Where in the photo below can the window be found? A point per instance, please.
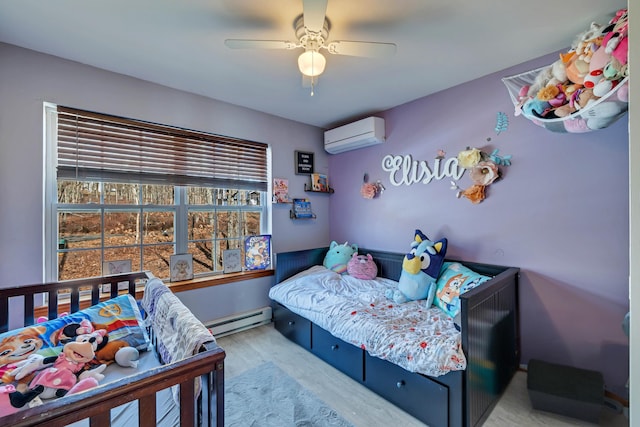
(123, 191)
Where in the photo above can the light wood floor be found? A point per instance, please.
(362, 407)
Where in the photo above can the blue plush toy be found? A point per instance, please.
(535, 107)
(338, 257)
(420, 270)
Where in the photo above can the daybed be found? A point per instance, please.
(489, 339)
(192, 386)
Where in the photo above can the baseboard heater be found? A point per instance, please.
(239, 322)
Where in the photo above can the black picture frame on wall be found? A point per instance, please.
(304, 163)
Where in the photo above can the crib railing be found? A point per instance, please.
(69, 296)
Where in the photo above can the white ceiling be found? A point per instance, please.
(180, 44)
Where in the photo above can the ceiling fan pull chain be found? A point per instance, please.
(312, 78)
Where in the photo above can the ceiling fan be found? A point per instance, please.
(312, 32)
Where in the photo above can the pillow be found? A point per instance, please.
(455, 279)
(362, 267)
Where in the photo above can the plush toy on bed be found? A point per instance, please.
(338, 257)
(420, 270)
(362, 267)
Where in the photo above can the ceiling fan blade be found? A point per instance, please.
(258, 44)
(314, 12)
(366, 49)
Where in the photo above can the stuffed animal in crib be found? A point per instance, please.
(420, 270)
(71, 331)
(338, 256)
(120, 352)
(58, 375)
(362, 267)
(106, 351)
(7, 393)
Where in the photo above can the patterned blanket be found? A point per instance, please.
(179, 334)
(415, 337)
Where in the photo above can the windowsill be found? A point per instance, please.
(220, 279)
(187, 285)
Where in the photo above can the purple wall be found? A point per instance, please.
(560, 213)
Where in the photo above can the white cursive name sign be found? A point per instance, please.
(405, 170)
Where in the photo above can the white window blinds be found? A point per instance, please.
(99, 147)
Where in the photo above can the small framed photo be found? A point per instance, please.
(231, 260)
(116, 267)
(304, 163)
(181, 267)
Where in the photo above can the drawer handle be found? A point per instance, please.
(291, 323)
(400, 384)
(334, 347)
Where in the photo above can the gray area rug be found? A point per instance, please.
(266, 396)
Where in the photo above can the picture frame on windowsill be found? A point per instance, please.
(231, 260)
(116, 267)
(181, 267)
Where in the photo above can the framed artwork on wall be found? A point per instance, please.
(304, 163)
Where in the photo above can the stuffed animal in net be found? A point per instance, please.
(338, 256)
(59, 375)
(362, 267)
(420, 270)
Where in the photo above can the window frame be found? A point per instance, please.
(180, 206)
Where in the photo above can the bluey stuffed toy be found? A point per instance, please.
(420, 270)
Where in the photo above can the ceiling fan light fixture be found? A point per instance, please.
(311, 63)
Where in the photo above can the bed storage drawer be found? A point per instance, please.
(343, 356)
(418, 395)
(294, 327)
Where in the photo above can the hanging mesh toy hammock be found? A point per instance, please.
(586, 89)
(597, 114)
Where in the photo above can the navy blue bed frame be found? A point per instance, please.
(490, 339)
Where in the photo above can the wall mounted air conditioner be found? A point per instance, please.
(363, 133)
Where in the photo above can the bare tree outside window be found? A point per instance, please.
(102, 222)
(121, 189)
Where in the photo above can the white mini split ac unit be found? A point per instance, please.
(363, 133)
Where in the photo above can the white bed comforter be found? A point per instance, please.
(417, 338)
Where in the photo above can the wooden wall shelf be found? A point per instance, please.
(309, 189)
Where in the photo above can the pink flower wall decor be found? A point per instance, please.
(483, 170)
